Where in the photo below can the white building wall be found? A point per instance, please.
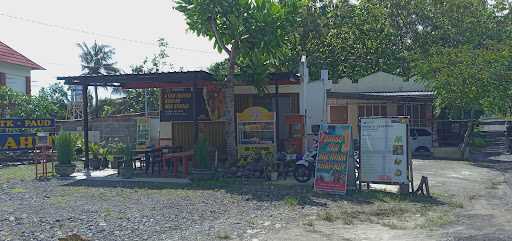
(377, 82)
(283, 89)
(315, 104)
(15, 76)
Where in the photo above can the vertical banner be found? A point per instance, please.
(384, 150)
(143, 132)
(334, 155)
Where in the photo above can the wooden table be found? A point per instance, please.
(184, 157)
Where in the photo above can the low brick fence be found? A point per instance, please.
(123, 128)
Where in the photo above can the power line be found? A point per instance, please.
(82, 31)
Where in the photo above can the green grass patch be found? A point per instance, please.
(18, 173)
(291, 201)
(18, 190)
(327, 216)
(223, 235)
(436, 220)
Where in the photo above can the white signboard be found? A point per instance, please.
(384, 150)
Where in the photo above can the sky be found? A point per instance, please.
(48, 31)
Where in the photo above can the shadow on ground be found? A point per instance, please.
(261, 191)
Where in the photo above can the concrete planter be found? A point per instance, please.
(202, 174)
(273, 176)
(64, 170)
(116, 162)
(127, 172)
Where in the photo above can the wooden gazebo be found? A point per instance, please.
(188, 79)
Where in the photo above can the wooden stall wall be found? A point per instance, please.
(183, 134)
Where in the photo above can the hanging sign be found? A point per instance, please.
(384, 150)
(17, 141)
(177, 105)
(26, 123)
(334, 155)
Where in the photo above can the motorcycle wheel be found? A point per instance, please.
(302, 173)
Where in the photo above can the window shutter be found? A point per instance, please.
(2, 79)
(27, 85)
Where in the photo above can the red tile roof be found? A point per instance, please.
(11, 56)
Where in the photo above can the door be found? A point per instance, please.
(284, 110)
(339, 114)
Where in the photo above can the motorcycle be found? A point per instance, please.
(305, 168)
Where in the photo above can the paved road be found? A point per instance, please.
(496, 155)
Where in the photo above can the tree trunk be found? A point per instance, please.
(229, 111)
(96, 110)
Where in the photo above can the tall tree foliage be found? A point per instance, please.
(159, 62)
(18, 105)
(133, 100)
(97, 59)
(468, 63)
(253, 33)
(58, 96)
(458, 48)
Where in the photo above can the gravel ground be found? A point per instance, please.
(252, 210)
(33, 210)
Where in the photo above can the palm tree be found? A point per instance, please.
(97, 59)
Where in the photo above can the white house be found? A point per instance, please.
(15, 69)
(378, 94)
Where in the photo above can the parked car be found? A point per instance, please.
(421, 141)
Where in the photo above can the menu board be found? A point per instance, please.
(256, 134)
(384, 150)
(177, 104)
(334, 155)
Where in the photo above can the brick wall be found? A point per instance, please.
(122, 128)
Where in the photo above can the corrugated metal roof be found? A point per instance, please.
(11, 56)
(406, 93)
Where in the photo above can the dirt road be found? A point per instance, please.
(478, 190)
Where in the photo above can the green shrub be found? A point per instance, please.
(201, 153)
(478, 142)
(65, 146)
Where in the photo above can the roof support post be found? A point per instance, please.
(278, 114)
(194, 112)
(85, 120)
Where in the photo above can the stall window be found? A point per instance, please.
(368, 110)
(416, 112)
(339, 114)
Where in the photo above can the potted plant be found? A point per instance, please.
(270, 167)
(95, 152)
(65, 146)
(127, 170)
(104, 156)
(117, 150)
(203, 168)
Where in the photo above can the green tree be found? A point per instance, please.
(17, 105)
(58, 96)
(97, 59)
(252, 33)
(468, 60)
(159, 62)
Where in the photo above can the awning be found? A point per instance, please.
(390, 96)
(165, 80)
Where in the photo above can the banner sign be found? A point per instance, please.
(177, 105)
(334, 155)
(17, 141)
(384, 150)
(26, 123)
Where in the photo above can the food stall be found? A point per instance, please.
(295, 141)
(256, 134)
